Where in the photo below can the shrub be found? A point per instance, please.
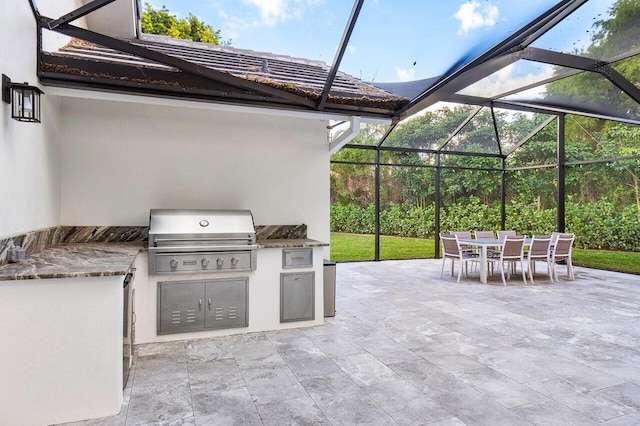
(597, 226)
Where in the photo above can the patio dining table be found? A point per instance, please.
(483, 244)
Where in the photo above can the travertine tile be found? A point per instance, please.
(292, 412)
(406, 347)
(221, 374)
(272, 383)
(344, 403)
(365, 369)
(591, 404)
(165, 401)
(225, 407)
(551, 413)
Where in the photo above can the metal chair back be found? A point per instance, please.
(503, 234)
(513, 247)
(449, 246)
(562, 247)
(462, 234)
(484, 234)
(539, 246)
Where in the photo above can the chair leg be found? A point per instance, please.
(549, 273)
(532, 265)
(460, 270)
(570, 269)
(444, 259)
(524, 276)
(504, 282)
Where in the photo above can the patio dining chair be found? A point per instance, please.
(539, 250)
(512, 251)
(464, 235)
(491, 251)
(562, 252)
(502, 234)
(484, 234)
(451, 250)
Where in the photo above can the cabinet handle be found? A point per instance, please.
(209, 304)
(297, 279)
(297, 258)
(200, 305)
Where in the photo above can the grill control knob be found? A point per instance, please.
(220, 262)
(234, 261)
(173, 263)
(205, 262)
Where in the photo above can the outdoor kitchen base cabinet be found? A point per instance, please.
(297, 296)
(186, 306)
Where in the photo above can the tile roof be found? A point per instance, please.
(97, 64)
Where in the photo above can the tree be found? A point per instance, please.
(162, 22)
(622, 140)
(618, 34)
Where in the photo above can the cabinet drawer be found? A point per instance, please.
(297, 296)
(297, 258)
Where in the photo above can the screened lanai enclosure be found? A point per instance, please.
(474, 115)
(535, 132)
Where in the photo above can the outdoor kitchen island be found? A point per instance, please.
(263, 306)
(212, 272)
(63, 311)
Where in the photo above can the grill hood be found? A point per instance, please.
(190, 241)
(171, 224)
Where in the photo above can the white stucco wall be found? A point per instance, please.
(61, 357)
(29, 153)
(121, 159)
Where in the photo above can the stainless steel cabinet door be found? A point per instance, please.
(297, 296)
(226, 303)
(181, 307)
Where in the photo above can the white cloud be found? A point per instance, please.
(475, 15)
(274, 11)
(404, 74)
(351, 48)
(507, 79)
(271, 11)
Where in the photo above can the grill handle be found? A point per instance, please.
(188, 240)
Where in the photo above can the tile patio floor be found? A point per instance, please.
(409, 348)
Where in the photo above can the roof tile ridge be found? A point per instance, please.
(161, 39)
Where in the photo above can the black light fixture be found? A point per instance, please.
(24, 100)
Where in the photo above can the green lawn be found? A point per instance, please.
(350, 247)
(354, 247)
(621, 261)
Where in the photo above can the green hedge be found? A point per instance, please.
(597, 226)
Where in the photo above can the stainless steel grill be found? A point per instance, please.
(195, 241)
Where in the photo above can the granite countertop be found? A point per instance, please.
(291, 243)
(74, 261)
(98, 259)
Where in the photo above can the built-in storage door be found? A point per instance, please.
(181, 306)
(297, 296)
(226, 303)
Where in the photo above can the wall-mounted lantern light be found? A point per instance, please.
(24, 100)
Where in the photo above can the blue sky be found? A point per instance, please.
(394, 40)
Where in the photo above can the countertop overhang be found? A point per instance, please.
(74, 260)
